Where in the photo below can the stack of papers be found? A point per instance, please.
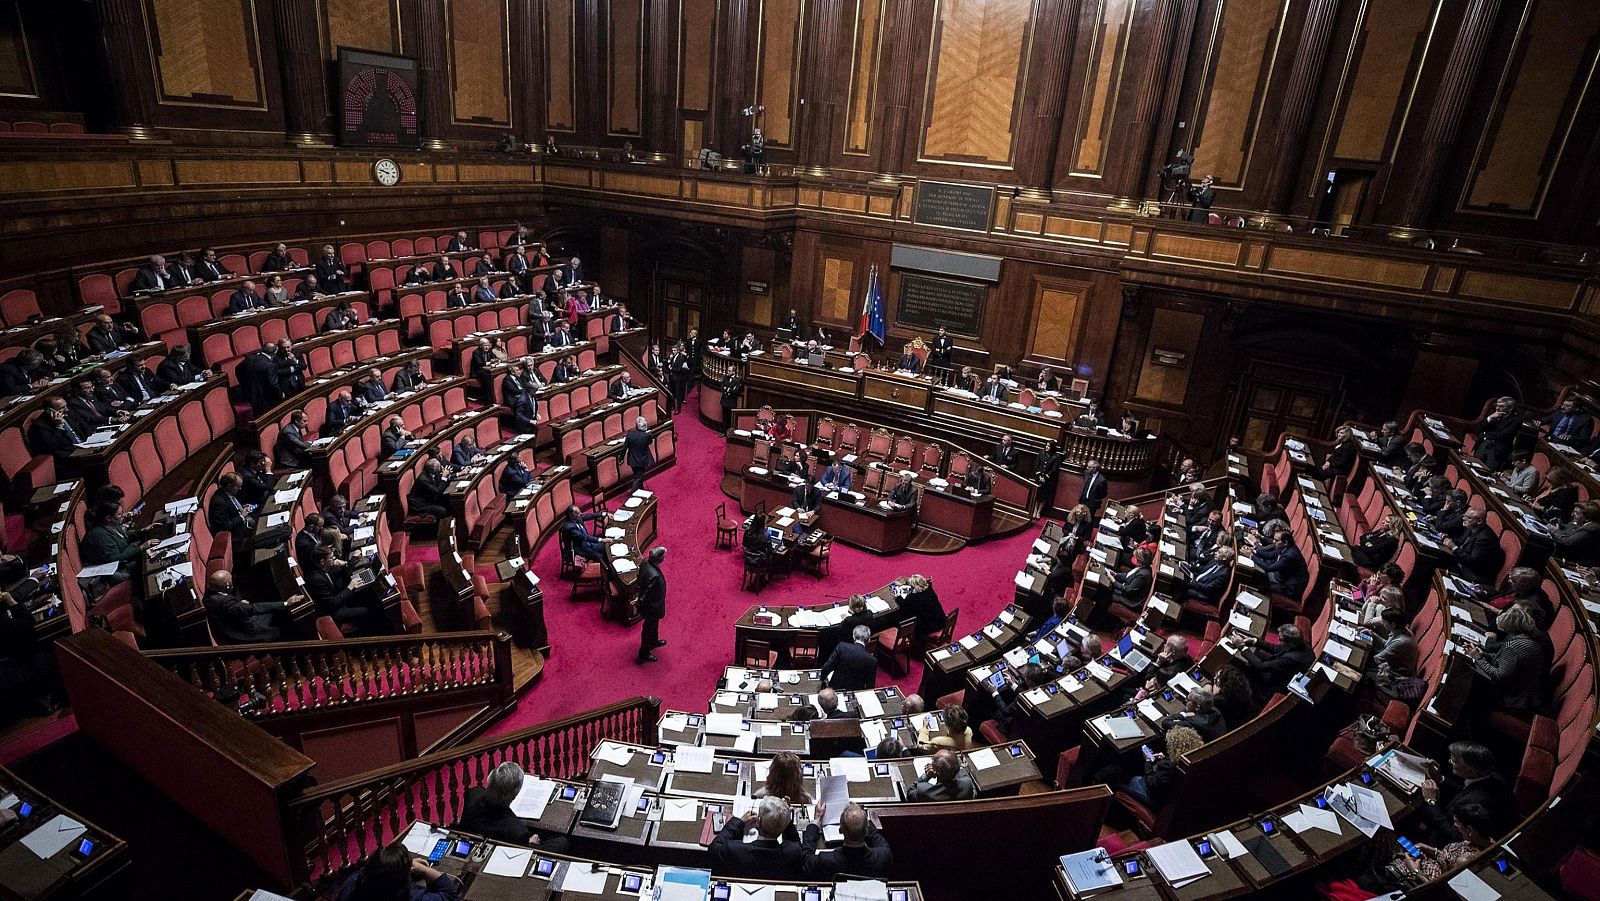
(693, 760)
(724, 724)
(532, 799)
(1178, 863)
(1090, 870)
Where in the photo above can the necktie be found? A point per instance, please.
(71, 433)
(1564, 424)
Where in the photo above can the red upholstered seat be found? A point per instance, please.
(1580, 875)
(992, 733)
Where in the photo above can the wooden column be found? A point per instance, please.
(900, 48)
(304, 73)
(1130, 168)
(1417, 179)
(822, 89)
(1057, 21)
(734, 78)
(122, 28)
(433, 70)
(659, 136)
(527, 69)
(1316, 33)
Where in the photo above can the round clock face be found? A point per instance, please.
(387, 172)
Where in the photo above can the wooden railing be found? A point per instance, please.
(332, 826)
(302, 676)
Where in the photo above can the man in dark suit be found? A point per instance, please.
(258, 479)
(51, 433)
(1005, 453)
(105, 336)
(1473, 779)
(730, 389)
(372, 389)
(460, 243)
(1094, 490)
(807, 496)
(1202, 197)
(309, 538)
(1496, 432)
(332, 273)
(1048, 381)
(329, 584)
(427, 494)
(310, 289)
(258, 380)
(1579, 542)
(939, 351)
(837, 476)
(235, 620)
(620, 321)
(993, 390)
(562, 336)
(443, 269)
(1570, 424)
(137, 383)
(1132, 588)
(566, 370)
(292, 450)
(679, 376)
(1271, 667)
(176, 368)
(340, 411)
(575, 533)
(278, 260)
(419, 274)
(1477, 554)
(516, 263)
(569, 274)
(407, 378)
(153, 276)
(765, 858)
(183, 270)
(110, 394)
(515, 476)
(210, 268)
(622, 388)
(226, 513)
(291, 368)
(487, 812)
(1199, 713)
(393, 437)
(652, 603)
(943, 779)
(904, 494)
(978, 480)
(851, 667)
(458, 297)
(909, 361)
(87, 413)
(637, 451)
(245, 298)
(22, 373)
(1203, 538)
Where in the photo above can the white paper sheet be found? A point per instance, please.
(581, 877)
(1471, 887)
(613, 753)
(421, 838)
(983, 759)
(1318, 818)
(532, 798)
(724, 724)
(507, 861)
(854, 769)
(59, 832)
(679, 810)
(1177, 862)
(693, 760)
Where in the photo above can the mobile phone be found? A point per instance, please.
(1203, 847)
(898, 894)
(809, 769)
(998, 679)
(439, 848)
(1148, 754)
(1410, 846)
(1321, 802)
(694, 720)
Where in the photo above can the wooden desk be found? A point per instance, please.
(74, 870)
(773, 624)
(957, 512)
(861, 524)
(95, 462)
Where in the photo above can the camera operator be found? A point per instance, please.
(1201, 197)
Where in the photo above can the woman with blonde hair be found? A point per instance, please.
(1080, 522)
(784, 780)
(1378, 546)
(954, 735)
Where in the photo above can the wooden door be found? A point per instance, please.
(678, 302)
(1272, 398)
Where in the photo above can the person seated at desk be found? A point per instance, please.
(484, 265)
(291, 450)
(1419, 467)
(154, 276)
(783, 428)
(1206, 582)
(1473, 779)
(23, 373)
(210, 268)
(1448, 520)
(1396, 660)
(340, 318)
(245, 299)
(466, 452)
(1270, 667)
(577, 536)
(565, 371)
(258, 479)
(1197, 507)
(1578, 542)
(309, 538)
(427, 494)
(1477, 554)
(372, 389)
(328, 583)
(1005, 453)
(904, 495)
(1512, 665)
(1341, 458)
(836, 477)
(1495, 433)
(1132, 588)
(1160, 771)
(1172, 659)
(923, 603)
(87, 412)
(52, 433)
(1559, 497)
(978, 480)
(1090, 418)
(486, 811)
(954, 734)
(226, 513)
(1521, 477)
(1199, 713)
(457, 297)
(828, 707)
(756, 545)
(1047, 381)
(483, 292)
(623, 388)
(339, 515)
(515, 477)
(1524, 585)
(395, 435)
(1378, 546)
(993, 391)
(308, 290)
(766, 857)
(967, 381)
(863, 851)
(110, 394)
(393, 874)
(1569, 424)
(277, 259)
(105, 337)
(1393, 870)
(562, 336)
(1129, 425)
(109, 540)
(442, 269)
(909, 362)
(943, 779)
(851, 667)
(1205, 537)
(620, 321)
(1283, 563)
(420, 274)
(235, 620)
(408, 378)
(784, 780)
(807, 496)
(341, 409)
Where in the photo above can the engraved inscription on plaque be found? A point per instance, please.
(928, 303)
(953, 206)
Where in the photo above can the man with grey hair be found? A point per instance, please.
(1199, 713)
(828, 704)
(637, 452)
(766, 857)
(486, 811)
(943, 779)
(851, 667)
(652, 603)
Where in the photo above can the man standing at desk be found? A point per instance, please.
(1005, 453)
(730, 398)
(636, 449)
(807, 496)
(652, 603)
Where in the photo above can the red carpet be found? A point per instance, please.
(593, 662)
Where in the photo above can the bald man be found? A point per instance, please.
(235, 620)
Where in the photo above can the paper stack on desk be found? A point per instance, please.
(724, 724)
(1177, 862)
(1089, 870)
(613, 753)
(533, 797)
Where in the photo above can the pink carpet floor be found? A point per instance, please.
(592, 662)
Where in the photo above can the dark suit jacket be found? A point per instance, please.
(15, 380)
(480, 816)
(403, 381)
(1478, 554)
(873, 859)
(373, 390)
(760, 859)
(149, 278)
(1132, 588)
(1004, 454)
(223, 516)
(305, 544)
(903, 494)
(636, 450)
(1209, 725)
(244, 299)
(102, 341)
(807, 497)
(291, 448)
(925, 606)
(173, 372)
(277, 262)
(1273, 665)
(211, 271)
(1579, 544)
(513, 479)
(1579, 429)
(134, 377)
(235, 620)
(617, 390)
(333, 275)
(652, 591)
(1493, 794)
(328, 593)
(256, 485)
(850, 667)
(45, 437)
(1343, 458)
(457, 299)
